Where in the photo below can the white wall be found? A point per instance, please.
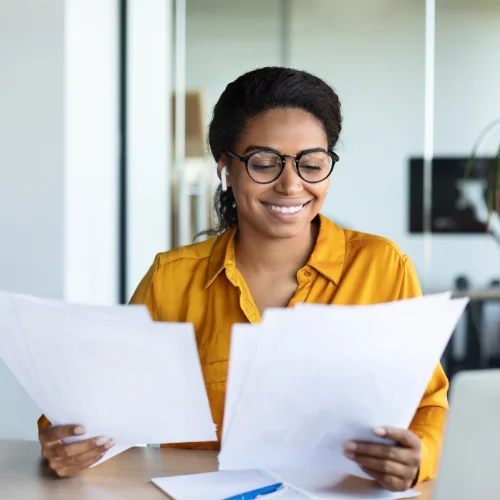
(225, 39)
(149, 132)
(91, 151)
(372, 53)
(31, 146)
(467, 99)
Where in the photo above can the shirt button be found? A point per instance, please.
(307, 273)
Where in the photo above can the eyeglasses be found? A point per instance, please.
(266, 165)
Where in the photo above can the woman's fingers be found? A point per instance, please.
(78, 461)
(397, 454)
(403, 437)
(81, 447)
(385, 467)
(69, 459)
(72, 470)
(66, 451)
(388, 481)
(394, 466)
(55, 433)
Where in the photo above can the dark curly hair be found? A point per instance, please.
(254, 93)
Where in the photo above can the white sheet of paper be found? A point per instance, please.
(11, 327)
(327, 485)
(16, 354)
(244, 339)
(14, 351)
(334, 375)
(137, 383)
(249, 352)
(133, 312)
(220, 485)
(274, 317)
(297, 485)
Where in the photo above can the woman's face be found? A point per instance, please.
(271, 208)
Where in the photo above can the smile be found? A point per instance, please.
(285, 210)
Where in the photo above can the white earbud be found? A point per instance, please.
(223, 179)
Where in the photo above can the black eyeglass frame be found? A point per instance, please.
(245, 159)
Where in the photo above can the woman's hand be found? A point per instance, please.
(394, 467)
(69, 459)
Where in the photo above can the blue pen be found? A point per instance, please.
(250, 495)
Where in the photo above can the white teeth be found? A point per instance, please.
(286, 210)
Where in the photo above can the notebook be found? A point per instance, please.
(223, 484)
(297, 485)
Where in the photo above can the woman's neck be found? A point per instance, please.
(276, 256)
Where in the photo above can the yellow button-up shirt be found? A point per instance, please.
(200, 284)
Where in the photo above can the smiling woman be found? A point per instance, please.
(286, 178)
(272, 135)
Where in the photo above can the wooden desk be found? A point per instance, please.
(126, 476)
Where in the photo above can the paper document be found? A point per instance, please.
(220, 485)
(226, 484)
(317, 376)
(324, 484)
(243, 343)
(131, 379)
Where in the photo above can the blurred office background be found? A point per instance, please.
(97, 174)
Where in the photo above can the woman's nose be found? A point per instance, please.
(289, 182)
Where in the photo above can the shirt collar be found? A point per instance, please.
(222, 255)
(327, 257)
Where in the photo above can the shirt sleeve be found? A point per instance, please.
(43, 423)
(428, 422)
(145, 292)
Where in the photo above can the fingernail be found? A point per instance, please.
(350, 455)
(379, 431)
(79, 430)
(109, 444)
(100, 441)
(350, 446)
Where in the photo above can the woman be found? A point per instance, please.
(272, 135)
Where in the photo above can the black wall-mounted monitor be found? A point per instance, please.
(446, 174)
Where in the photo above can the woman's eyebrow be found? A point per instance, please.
(267, 148)
(254, 148)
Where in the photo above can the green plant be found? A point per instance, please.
(494, 179)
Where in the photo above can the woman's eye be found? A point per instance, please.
(263, 167)
(310, 167)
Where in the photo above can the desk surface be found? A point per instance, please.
(126, 476)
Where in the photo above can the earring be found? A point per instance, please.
(223, 179)
(234, 204)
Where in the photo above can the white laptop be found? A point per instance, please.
(470, 460)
